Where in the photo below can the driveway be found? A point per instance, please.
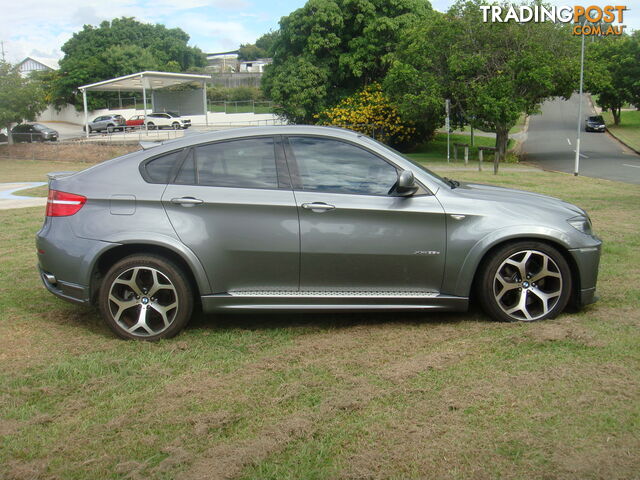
(551, 142)
(9, 200)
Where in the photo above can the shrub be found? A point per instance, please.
(370, 112)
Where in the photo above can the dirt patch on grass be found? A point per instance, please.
(9, 426)
(564, 331)
(228, 461)
(68, 152)
(26, 470)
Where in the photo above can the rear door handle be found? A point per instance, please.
(187, 201)
(318, 206)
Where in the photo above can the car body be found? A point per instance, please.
(3, 135)
(167, 120)
(594, 123)
(107, 123)
(33, 132)
(135, 121)
(303, 218)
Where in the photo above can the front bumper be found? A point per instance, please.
(587, 259)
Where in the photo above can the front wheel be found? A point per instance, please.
(525, 281)
(146, 297)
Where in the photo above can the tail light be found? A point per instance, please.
(63, 204)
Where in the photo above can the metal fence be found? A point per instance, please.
(244, 106)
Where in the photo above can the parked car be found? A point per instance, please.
(33, 132)
(303, 218)
(595, 123)
(167, 120)
(136, 121)
(107, 123)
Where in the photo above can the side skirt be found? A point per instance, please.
(333, 301)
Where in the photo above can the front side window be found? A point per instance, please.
(328, 165)
(248, 163)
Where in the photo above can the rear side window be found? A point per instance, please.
(159, 168)
(327, 165)
(249, 163)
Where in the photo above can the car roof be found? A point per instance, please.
(244, 132)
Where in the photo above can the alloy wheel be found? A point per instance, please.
(527, 285)
(143, 301)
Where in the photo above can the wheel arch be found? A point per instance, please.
(478, 256)
(191, 266)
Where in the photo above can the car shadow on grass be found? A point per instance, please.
(329, 320)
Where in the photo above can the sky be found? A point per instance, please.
(37, 28)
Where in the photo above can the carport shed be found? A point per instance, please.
(141, 82)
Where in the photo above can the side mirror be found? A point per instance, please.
(405, 186)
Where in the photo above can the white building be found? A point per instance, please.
(36, 64)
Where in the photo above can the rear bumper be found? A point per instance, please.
(67, 291)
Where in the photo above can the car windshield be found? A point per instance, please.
(596, 118)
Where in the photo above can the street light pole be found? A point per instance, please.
(447, 126)
(577, 160)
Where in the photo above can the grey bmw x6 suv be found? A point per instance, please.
(303, 218)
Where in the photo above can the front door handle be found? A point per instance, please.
(187, 201)
(318, 207)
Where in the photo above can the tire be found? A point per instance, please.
(175, 126)
(524, 281)
(151, 126)
(149, 284)
(110, 128)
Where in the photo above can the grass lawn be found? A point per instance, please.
(333, 395)
(14, 170)
(629, 129)
(436, 149)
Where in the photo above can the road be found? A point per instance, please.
(551, 140)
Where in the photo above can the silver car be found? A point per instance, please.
(303, 218)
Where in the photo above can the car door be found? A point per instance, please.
(232, 204)
(354, 236)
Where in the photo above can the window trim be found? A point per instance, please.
(292, 162)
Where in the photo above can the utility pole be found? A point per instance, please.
(2, 45)
(577, 159)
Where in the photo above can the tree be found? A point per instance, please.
(329, 49)
(612, 72)
(20, 98)
(120, 47)
(492, 72)
(250, 51)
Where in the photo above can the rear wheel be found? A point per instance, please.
(151, 126)
(525, 281)
(146, 297)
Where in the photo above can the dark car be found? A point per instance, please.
(3, 135)
(107, 123)
(595, 123)
(300, 218)
(33, 132)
